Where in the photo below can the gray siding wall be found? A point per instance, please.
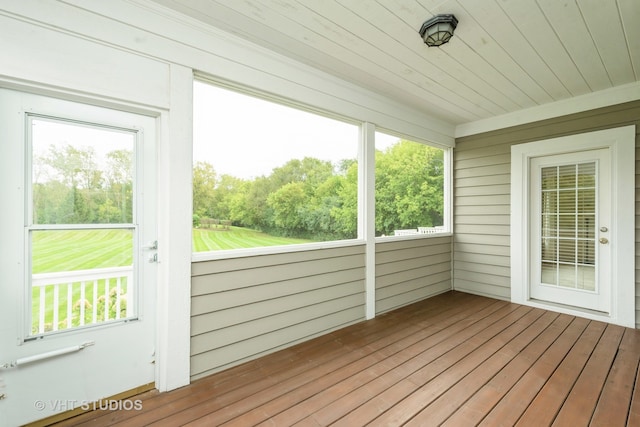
(411, 270)
(482, 195)
(245, 307)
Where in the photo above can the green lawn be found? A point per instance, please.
(67, 250)
(213, 239)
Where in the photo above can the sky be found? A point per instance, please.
(58, 134)
(247, 137)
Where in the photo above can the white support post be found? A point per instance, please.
(175, 165)
(448, 189)
(367, 207)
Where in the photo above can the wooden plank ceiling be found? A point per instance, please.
(505, 56)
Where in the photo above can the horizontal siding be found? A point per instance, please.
(482, 179)
(411, 270)
(482, 220)
(243, 308)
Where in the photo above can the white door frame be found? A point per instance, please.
(621, 143)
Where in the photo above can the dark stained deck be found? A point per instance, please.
(454, 360)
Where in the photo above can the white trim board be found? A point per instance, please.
(620, 141)
(604, 98)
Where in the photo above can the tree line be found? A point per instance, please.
(70, 186)
(315, 199)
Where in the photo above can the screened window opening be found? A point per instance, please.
(265, 174)
(409, 188)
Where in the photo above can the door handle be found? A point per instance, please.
(604, 240)
(151, 246)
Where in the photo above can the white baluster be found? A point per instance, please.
(118, 289)
(56, 306)
(106, 299)
(95, 301)
(41, 314)
(129, 293)
(82, 299)
(69, 304)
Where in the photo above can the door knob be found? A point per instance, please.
(604, 240)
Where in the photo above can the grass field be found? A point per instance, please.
(207, 239)
(67, 250)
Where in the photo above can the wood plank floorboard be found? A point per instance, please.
(454, 360)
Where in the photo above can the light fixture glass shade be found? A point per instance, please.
(438, 30)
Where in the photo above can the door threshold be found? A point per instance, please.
(570, 307)
(63, 416)
(573, 311)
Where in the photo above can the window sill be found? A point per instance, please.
(272, 250)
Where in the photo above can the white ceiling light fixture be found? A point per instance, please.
(438, 30)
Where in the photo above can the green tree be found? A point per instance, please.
(249, 206)
(314, 199)
(287, 204)
(227, 187)
(75, 165)
(204, 184)
(409, 187)
(71, 186)
(118, 206)
(345, 214)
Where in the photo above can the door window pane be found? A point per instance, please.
(81, 231)
(549, 225)
(80, 277)
(568, 212)
(549, 273)
(567, 226)
(81, 174)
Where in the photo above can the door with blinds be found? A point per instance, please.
(570, 217)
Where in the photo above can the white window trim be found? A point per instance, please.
(621, 142)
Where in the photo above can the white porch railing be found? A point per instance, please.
(109, 289)
(419, 230)
(430, 230)
(406, 232)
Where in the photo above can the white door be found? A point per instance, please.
(570, 221)
(572, 224)
(77, 270)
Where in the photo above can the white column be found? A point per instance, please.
(367, 210)
(175, 160)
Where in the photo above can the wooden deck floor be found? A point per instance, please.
(454, 360)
